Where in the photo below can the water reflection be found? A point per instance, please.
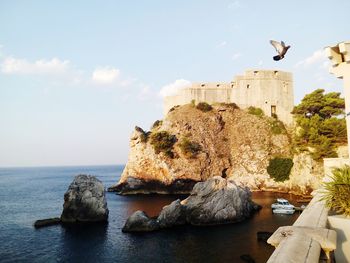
(151, 204)
(83, 242)
(223, 243)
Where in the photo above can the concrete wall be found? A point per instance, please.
(259, 88)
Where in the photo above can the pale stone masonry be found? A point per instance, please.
(340, 60)
(270, 90)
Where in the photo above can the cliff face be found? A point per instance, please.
(224, 141)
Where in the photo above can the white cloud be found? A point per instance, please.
(172, 88)
(106, 75)
(236, 56)
(221, 44)
(55, 66)
(57, 72)
(318, 57)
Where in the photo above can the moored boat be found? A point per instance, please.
(282, 206)
(283, 211)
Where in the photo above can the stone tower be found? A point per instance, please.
(270, 90)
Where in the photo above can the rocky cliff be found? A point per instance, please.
(192, 145)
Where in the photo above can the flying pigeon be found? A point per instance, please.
(281, 49)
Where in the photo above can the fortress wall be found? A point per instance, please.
(208, 92)
(270, 90)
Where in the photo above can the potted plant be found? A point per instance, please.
(336, 195)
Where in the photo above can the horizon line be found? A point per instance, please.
(53, 166)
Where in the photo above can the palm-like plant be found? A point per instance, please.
(337, 191)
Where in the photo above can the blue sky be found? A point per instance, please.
(77, 76)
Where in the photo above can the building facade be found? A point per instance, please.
(270, 90)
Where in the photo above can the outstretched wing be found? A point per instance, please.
(277, 46)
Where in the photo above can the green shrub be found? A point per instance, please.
(279, 168)
(189, 148)
(337, 191)
(203, 106)
(255, 111)
(277, 127)
(193, 103)
(163, 142)
(156, 124)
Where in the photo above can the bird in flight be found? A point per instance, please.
(281, 49)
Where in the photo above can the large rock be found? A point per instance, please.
(216, 201)
(85, 201)
(172, 215)
(140, 222)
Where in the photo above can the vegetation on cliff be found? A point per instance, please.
(189, 148)
(279, 168)
(255, 111)
(320, 124)
(203, 106)
(163, 141)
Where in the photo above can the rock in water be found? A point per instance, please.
(85, 201)
(47, 222)
(218, 201)
(215, 201)
(172, 215)
(140, 222)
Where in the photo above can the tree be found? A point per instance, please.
(320, 124)
(324, 105)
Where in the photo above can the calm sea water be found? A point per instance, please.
(28, 194)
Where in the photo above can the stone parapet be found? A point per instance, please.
(303, 241)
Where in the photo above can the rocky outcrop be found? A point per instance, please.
(47, 222)
(215, 201)
(305, 176)
(85, 201)
(140, 222)
(233, 144)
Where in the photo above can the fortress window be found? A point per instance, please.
(202, 85)
(248, 86)
(273, 111)
(275, 72)
(217, 85)
(256, 73)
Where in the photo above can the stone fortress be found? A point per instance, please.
(270, 90)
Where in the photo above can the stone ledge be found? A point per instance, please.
(325, 237)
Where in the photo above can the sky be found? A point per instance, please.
(77, 76)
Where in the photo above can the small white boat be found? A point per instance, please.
(283, 207)
(283, 211)
(282, 204)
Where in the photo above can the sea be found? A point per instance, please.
(29, 194)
